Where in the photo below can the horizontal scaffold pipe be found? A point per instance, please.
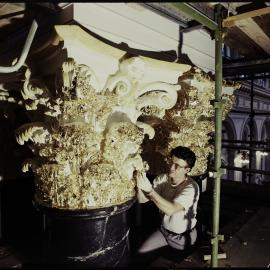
(248, 112)
(247, 78)
(247, 142)
(246, 147)
(231, 168)
(195, 14)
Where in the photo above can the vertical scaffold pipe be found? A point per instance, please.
(218, 134)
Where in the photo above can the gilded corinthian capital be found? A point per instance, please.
(90, 125)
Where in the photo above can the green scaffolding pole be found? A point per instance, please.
(217, 27)
(218, 135)
(195, 14)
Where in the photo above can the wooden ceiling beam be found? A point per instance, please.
(231, 21)
(253, 31)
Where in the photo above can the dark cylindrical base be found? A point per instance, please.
(87, 238)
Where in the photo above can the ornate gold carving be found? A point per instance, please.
(190, 122)
(88, 133)
(88, 141)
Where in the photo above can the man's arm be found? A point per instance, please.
(169, 208)
(141, 197)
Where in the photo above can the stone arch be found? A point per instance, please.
(245, 136)
(265, 160)
(246, 130)
(228, 124)
(265, 136)
(228, 132)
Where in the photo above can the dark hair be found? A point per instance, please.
(184, 153)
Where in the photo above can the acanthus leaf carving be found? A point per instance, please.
(89, 139)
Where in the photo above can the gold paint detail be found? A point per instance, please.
(86, 141)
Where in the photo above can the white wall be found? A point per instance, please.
(143, 29)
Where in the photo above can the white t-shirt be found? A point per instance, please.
(186, 194)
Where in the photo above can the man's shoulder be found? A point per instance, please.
(192, 183)
(160, 179)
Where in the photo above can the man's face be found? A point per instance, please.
(178, 168)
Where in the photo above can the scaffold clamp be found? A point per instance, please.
(219, 237)
(218, 173)
(218, 104)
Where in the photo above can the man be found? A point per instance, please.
(176, 195)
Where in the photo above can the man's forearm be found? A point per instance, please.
(164, 205)
(141, 197)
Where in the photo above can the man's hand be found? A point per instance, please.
(143, 183)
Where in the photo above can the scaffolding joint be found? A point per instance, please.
(217, 173)
(218, 104)
(218, 237)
